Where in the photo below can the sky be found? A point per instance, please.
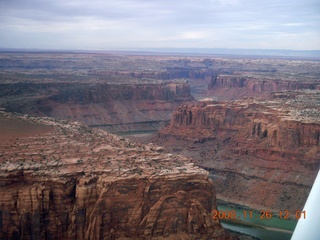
(138, 24)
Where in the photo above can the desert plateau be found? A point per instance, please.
(135, 145)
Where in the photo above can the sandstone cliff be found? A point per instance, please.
(260, 153)
(259, 84)
(169, 73)
(117, 107)
(230, 87)
(65, 181)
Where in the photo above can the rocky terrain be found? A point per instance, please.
(114, 92)
(115, 107)
(70, 181)
(61, 180)
(232, 87)
(56, 75)
(263, 154)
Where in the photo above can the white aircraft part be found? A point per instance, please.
(309, 228)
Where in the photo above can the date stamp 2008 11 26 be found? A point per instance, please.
(263, 214)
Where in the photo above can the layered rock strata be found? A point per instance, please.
(262, 84)
(60, 180)
(263, 154)
(232, 87)
(115, 107)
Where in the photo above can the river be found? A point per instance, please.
(274, 228)
(263, 229)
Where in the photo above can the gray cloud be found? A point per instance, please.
(98, 24)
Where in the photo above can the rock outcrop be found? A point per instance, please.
(231, 87)
(169, 73)
(60, 180)
(116, 107)
(259, 85)
(263, 154)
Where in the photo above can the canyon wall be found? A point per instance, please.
(264, 154)
(116, 107)
(263, 124)
(62, 180)
(79, 207)
(169, 73)
(254, 86)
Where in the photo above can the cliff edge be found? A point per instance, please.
(60, 180)
(263, 154)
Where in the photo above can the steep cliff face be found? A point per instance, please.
(79, 207)
(261, 154)
(262, 84)
(169, 73)
(118, 107)
(265, 124)
(66, 181)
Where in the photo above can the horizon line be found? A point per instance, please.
(185, 51)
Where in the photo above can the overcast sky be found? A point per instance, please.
(116, 24)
